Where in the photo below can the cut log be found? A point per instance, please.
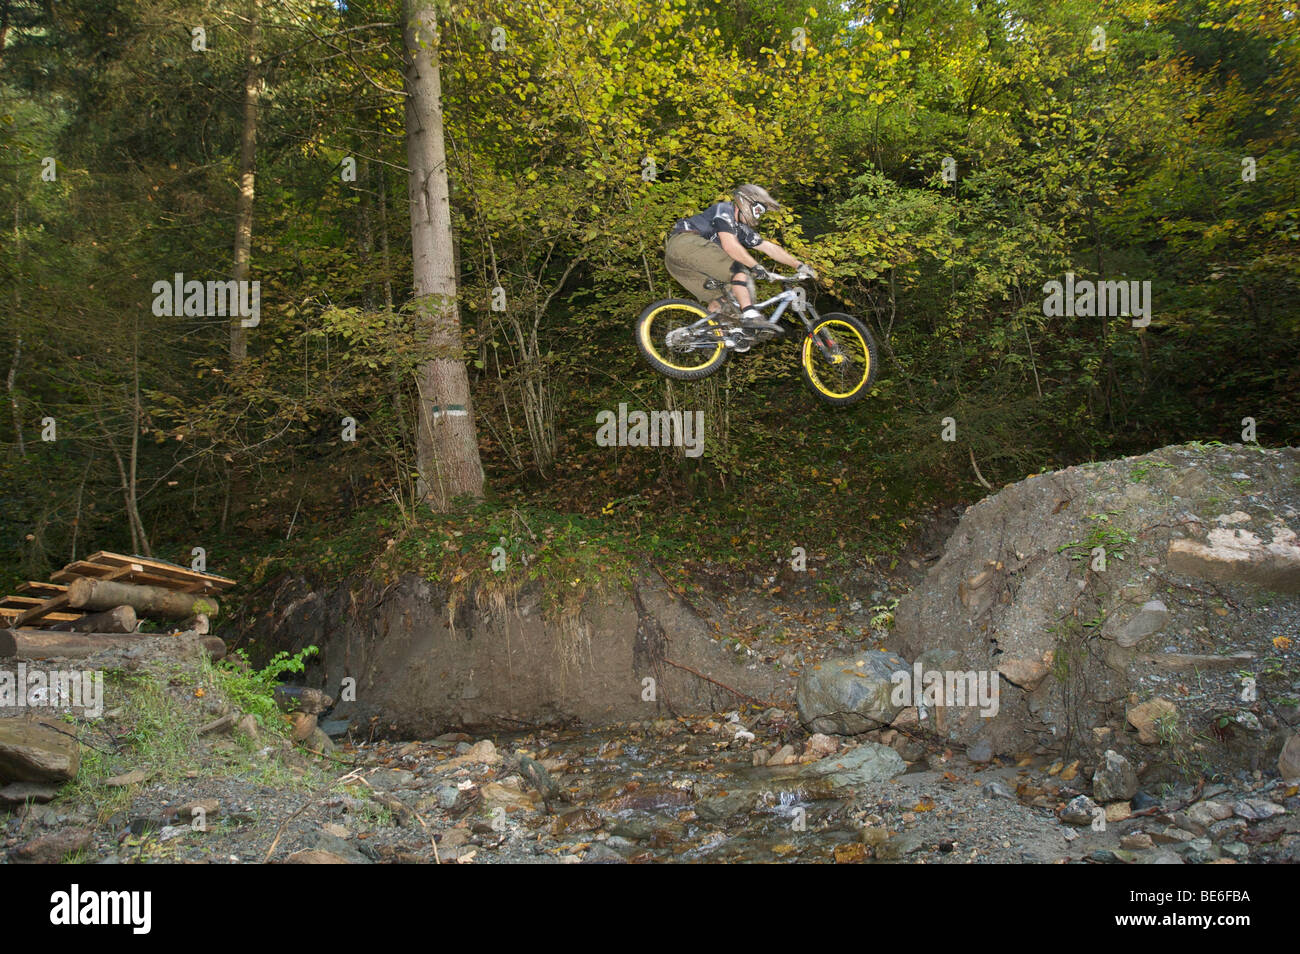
(120, 619)
(198, 624)
(43, 644)
(89, 594)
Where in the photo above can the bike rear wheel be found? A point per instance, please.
(847, 375)
(668, 347)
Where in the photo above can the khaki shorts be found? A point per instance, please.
(690, 258)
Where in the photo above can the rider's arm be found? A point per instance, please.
(731, 245)
(774, 251)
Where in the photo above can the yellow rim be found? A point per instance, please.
(645, 337)
(838, 329)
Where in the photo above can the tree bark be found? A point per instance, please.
(446, 440)
(119, 619)
(247, 178)
(41, 644)
(91, 594)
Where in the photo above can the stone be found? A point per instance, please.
(820, 746)
(334, 728)
(1114, 779)
(1079, 811)
(1118, 811)
(53, 848)
(1148, 717)
(1256, 809)
(33, 753)
(1207, 813)
(302, 725)
(1136, 841)
(17, 793)
(1150, 619)
(868, 764)
(849, 695)
(981, 752)
(783, 756)
(1239, 556)
(1026, 673)
(1288, 761)
(314, 857)
(133, 777)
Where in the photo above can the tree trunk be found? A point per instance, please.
(119, 619)
(247, 179)
(446, 440)
(90, 594)
(39, 644)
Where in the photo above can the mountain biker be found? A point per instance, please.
(716, 244)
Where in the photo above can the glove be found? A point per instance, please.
(805, 271)
(760, 273)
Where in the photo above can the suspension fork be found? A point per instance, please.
(831, 352)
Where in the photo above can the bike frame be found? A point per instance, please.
(792, 298)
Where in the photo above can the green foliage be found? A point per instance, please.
(253, 690)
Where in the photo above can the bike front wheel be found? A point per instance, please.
(669, 345)
(838, 360)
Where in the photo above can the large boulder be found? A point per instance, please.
(850, 694)
(30, 752)
(1093, 588)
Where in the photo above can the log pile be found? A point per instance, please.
(102, 601)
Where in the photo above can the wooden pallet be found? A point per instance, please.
(48, 601)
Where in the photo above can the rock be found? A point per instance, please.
(1079, 811)
(854, 853)
(205, 808)
(1148, 717)
(334, 728)
(1027, 673)
(1256, 809)
(1114, 779)
(302, 725)
(1142, 801)
(1118, 811)
(30, 752)
(1288, 761)
(302, 699)
(1136, 841)
(498, 795)
(1207, 813)
(1228, 828)
(323, 841)
(1000, 790)
(820, 746)
(849, 695)
(1239, 556)
(480, 753)
(335, 829)
(1171, 835)
(868, 764)
(1235, 850)
(17, 793)
(577, 820)
(540, 779)
(319, 742)
(448, 795)
(133, 777)
(313, 857)
(53, 848)
(1199, 851)
(900, 845)
(783, 756)
(1150, 619)
(601, 854)
(981, 752)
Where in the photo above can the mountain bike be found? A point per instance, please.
(681, 339)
